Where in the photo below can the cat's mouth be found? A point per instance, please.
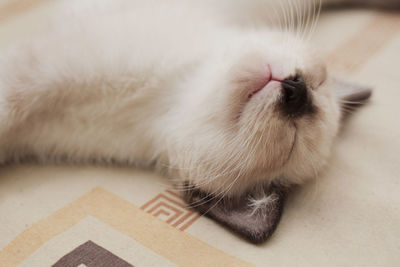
(253, 216)
(264, 85)
(262, 88)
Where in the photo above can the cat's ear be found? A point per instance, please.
(350, 96)
(253, 216)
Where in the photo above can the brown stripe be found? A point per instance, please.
(368, 41)
(145, 205)
(189, 223)
(176, 215)
(173, 218)
(165, 205)
(16, 7)
(182, 219)
(175, 202)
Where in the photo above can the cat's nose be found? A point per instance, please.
(295, 95)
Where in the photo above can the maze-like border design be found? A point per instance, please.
(169, 207)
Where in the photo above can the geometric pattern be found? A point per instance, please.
(181, 248)
(169, 207)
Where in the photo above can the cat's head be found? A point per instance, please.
(261, 110)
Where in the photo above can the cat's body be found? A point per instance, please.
(181, 85)
(127, 82)
(94, 78)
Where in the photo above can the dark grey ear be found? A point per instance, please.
(254, 216)
(351, 95)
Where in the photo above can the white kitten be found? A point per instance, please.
(181, 85)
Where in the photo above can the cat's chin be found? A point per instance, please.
(253, 215)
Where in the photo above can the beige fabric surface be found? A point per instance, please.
(348, 217)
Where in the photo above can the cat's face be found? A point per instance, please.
(258, 111)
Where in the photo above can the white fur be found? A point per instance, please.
(162, 83)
